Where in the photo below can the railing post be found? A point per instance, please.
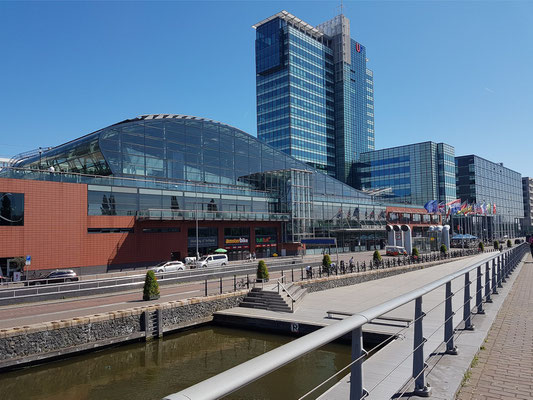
(487, 284)
(494, 283)
(356, 378)
(292, 274)
(421, 389)
(234, 283)
(220, 285)
(500, 280)
(206, 288)
(479, 291)
(448, 321)
(466, 304)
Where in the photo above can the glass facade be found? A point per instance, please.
(415, 173)
(315, 97)
(483, 181)
(11, 209)
(527, 190)
(182, 168)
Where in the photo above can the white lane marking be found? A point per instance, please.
(90, 308)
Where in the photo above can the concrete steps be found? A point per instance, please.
(269, 298)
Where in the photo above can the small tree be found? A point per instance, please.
(415, 253)
(496, 245)
(509, 243)
(443, 249)
(481, 246)
(376, 257)
(151, 287)
(262, 270)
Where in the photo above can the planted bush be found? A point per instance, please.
(415, 253)
(509, 243)
(262, 270)
(151, 287)
(481, 246)
(496, 245)
(326, 261)
(443, 249)
(376, 257)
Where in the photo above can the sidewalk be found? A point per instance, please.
(502, 368)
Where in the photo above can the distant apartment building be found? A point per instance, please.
(527, 190)
(315, 94)
(414, 174)
(480, 181)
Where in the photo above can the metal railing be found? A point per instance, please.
(280, 284)
(502, 266)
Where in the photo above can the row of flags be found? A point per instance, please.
(455, 207)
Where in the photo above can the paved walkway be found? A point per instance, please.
(505, 363)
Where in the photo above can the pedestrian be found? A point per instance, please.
(309, 272)
(253, 256)
(351, 262)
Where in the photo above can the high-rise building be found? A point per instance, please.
(415, 173)
(527, 190)
(315, 95)
(482, 181)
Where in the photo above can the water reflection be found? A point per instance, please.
(154, 369)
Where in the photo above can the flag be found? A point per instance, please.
(456, 201)
(431, 206)
(372, 214)
(483, 208)
(494, 209)
(348, 214)
(441, 208)
(339, 213)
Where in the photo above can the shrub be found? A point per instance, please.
(517, 241)
(443, 249)
(326, 261)
(481, 246)
(496, 245)
(376, 257)
(415, 252)
(151, 287)
(509, 243)
(262, 270)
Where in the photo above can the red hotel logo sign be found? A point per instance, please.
(358, 47)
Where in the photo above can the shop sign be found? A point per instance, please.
(265, 240)
(210, 241)
(237, 241)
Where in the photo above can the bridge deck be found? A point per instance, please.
(395, 356)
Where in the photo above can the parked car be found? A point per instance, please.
(395, 251)
(169, 266)
(57, 276)
(212, 260)
(189, 260)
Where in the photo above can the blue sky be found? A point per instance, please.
(458, 72)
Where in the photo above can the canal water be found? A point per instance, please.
(152, 370)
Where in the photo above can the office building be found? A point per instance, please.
(131, 194)
(411, 174)
(527, 191)
(315, 94)
(480, 181)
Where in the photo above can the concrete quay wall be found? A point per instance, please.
(34, 343)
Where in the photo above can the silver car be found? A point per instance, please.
(169, 266)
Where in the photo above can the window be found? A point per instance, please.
(11, 209)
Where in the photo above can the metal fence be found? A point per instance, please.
(490, 274)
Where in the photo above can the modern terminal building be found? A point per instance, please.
(481, 181)
(162, 187)
(413, 174)
(315, 94)
(527, 190)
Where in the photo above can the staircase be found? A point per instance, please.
(268, 298)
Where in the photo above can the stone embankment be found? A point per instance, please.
(29, 344)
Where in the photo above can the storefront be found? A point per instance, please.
(237, 243)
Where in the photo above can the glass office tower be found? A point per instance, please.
(415, 173)
(483, 181)
(315, 96)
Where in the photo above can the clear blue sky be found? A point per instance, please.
(458, 72)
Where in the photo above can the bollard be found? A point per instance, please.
(292, 274)
(421, 389)
(448, 321)
(466, 306)
(494, 284)
(357, 391)
(220, 285)
(487, 284)
(234, 283)
(479, 289)
(247, 282)
(206, 288)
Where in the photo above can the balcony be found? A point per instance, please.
(202, 215)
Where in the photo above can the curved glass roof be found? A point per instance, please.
(184, 148)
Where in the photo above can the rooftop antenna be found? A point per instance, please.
(341, 8)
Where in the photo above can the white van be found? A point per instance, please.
(212, 260)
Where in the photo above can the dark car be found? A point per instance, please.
(57, 276)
